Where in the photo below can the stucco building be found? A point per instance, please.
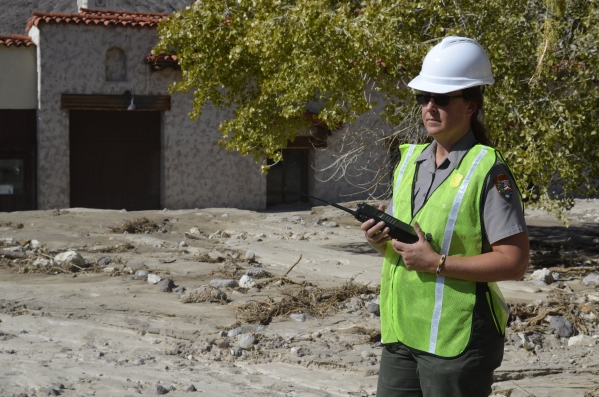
(87, 121)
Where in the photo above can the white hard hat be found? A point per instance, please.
(453, 64)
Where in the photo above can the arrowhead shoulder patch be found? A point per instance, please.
(503, 184)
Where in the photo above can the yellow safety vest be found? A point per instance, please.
(425, 312)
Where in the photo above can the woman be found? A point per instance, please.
(442, 316)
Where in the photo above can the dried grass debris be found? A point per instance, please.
(136, 226)
(530, 317)
(119, 248)
(12, 225)
(313, 301)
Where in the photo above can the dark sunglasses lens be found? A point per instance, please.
(423, 99)
(440, 100)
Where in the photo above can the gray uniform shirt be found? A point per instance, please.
(502, 217)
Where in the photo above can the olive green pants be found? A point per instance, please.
(406, 372)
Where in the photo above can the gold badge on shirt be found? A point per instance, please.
(504, 186)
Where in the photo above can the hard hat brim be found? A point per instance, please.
(443, 86)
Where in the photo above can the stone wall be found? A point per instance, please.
(196, 172)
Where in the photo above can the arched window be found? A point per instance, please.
(116, 69)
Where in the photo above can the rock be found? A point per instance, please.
(225, 235)
(374, 308)
(157, 390)
(223, 283)
(561, 325)
(205, 293)
(216, 255)
(237, 352)
(543, 275)
(296, 219)
(246, 282)
(332, 224)
(166, 285)
(247, 341)
(195, 231)
(250, 255)
(104, 261)
(245, 329)
(367, 354)
(109, 269)
(191, 388)
(301, 317)
(581, 340)
(223, 344)
(179, 288)
(192, 236)
(527, 343)
(555, 275)
(593, 298)
(141, 274)
(592, 280)
(34, 244)
(69, 259)
(539, 283)
(256, 272)
(43, 262)
(183, 244)
(154, 278)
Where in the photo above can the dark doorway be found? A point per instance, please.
(18, 154)
(115, 159)
(291, 172)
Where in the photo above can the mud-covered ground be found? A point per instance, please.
(304, 323)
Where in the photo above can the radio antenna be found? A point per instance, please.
(324, 201)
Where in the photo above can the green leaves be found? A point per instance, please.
(270, 60)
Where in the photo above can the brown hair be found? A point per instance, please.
(475, 94)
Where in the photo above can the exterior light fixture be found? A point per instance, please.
(132, 105)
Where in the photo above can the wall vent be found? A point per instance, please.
(96, 4)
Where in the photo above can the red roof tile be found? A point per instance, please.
(163, 61)
(16, 40)
(99, 17)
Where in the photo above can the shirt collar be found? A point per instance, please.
(457, 152)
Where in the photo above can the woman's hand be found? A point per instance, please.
(376, 233)
(419, 256)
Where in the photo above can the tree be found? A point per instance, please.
(270, 59)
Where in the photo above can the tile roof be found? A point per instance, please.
(16, 40)
(88, 16)
(163, 61)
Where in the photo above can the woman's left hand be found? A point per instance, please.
(419, 256)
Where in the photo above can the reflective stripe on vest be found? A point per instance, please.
(402, 168)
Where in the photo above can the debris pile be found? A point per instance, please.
(308, 300)
(139, 226)
(12, 225)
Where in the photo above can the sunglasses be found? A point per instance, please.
(440, 100)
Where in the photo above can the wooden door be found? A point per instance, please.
(292, 172)
(115, 159)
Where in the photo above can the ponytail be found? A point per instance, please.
(481, 133)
